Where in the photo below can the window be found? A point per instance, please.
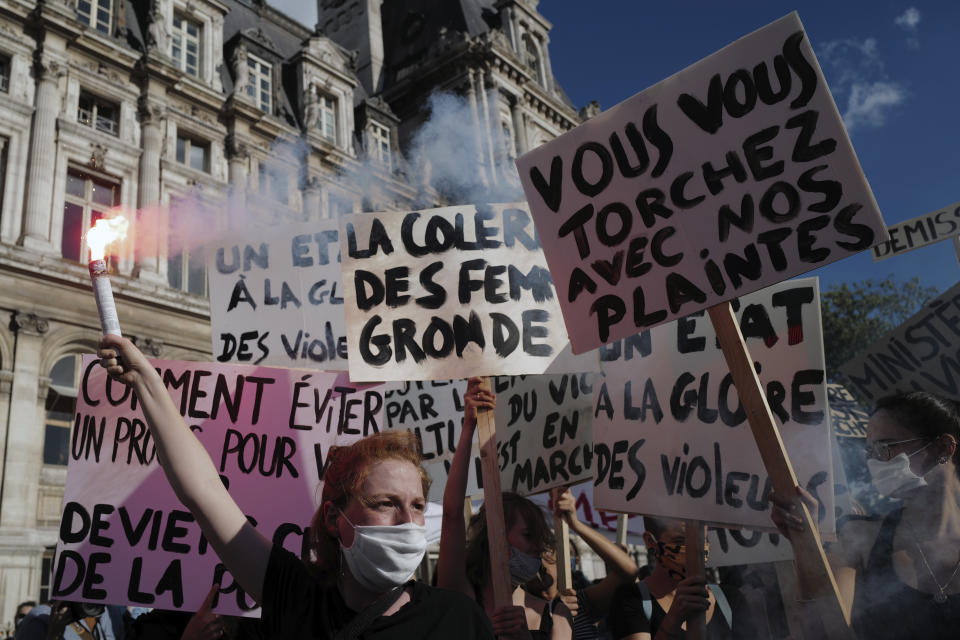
(4, 73)
(98, 113)
(96, 13)
(185, 45)
(87, 197)
(380, 143)
(186, 267)
(327, 118)
(533, 57)
(260, 86)
(46, 573)
(273, 184)
(61, 401)
(193, 153)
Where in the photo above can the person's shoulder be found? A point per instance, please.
(441, 596)
(857, 535)
(627, 591)
(34, 624)
(448, 604)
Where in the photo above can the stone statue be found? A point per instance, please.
(311, 109)
(157, 31)
(240, 72)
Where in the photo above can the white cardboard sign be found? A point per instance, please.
(729, 176)
(277, 299)
(544, 431)
(449, 293)
(671, 437)
(919, 232)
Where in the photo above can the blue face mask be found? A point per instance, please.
(523, 567)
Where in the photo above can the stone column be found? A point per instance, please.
(151, 224)
(547, 67)
(6, 386)
(519, 125)
(237, 161)
(477, 128)
(38, 206)
(490, 152)
(21, 471)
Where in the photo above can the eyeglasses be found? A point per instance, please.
(880, 450)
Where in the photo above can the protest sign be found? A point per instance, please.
(727, 546)
(923, 354)
(603, 521)
(544, 436)
(729, 176)
(671, 435)
(125, 538)
(277, 300)
(433, 410)
(847, 418)
(919, 232)
(730, 547)
(544, 430)
(448, 293)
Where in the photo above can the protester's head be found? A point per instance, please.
(22, 610)
(527, 535)
(374, 482)
(908, 436)
(666, 540)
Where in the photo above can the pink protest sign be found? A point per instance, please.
(125, 538)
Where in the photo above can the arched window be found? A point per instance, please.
(532, 53)
(60, 408)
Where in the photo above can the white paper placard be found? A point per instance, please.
(729, 176)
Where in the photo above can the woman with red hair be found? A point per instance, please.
(368, 535)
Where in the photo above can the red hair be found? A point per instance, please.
(347, 470)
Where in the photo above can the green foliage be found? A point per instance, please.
(855, 315)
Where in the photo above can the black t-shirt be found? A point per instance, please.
(627, 616)
(295, 605)
(885, 607)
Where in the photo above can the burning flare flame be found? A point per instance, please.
(104, 232)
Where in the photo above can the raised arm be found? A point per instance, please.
(191, 473)
(451, 565)
(842, 555)
(620, 566)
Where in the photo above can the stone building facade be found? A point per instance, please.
(142, 104)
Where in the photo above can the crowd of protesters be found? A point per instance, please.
(897, 572)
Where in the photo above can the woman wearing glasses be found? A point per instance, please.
(901, 572)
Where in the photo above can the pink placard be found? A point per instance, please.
(125, 538)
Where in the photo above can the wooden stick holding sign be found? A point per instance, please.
(561, 531)
(493, 502)
(695, 540)
(813, 572)
(622, 528)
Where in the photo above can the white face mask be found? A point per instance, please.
(894, 476)
(523, 566)
(384, 556)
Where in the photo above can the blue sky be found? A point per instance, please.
(897, 61)
(891, 66)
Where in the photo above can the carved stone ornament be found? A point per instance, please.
(149, 111)
(258, 36)
(46, 69)
(98, 156)
(236, 149)
(28, 323)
